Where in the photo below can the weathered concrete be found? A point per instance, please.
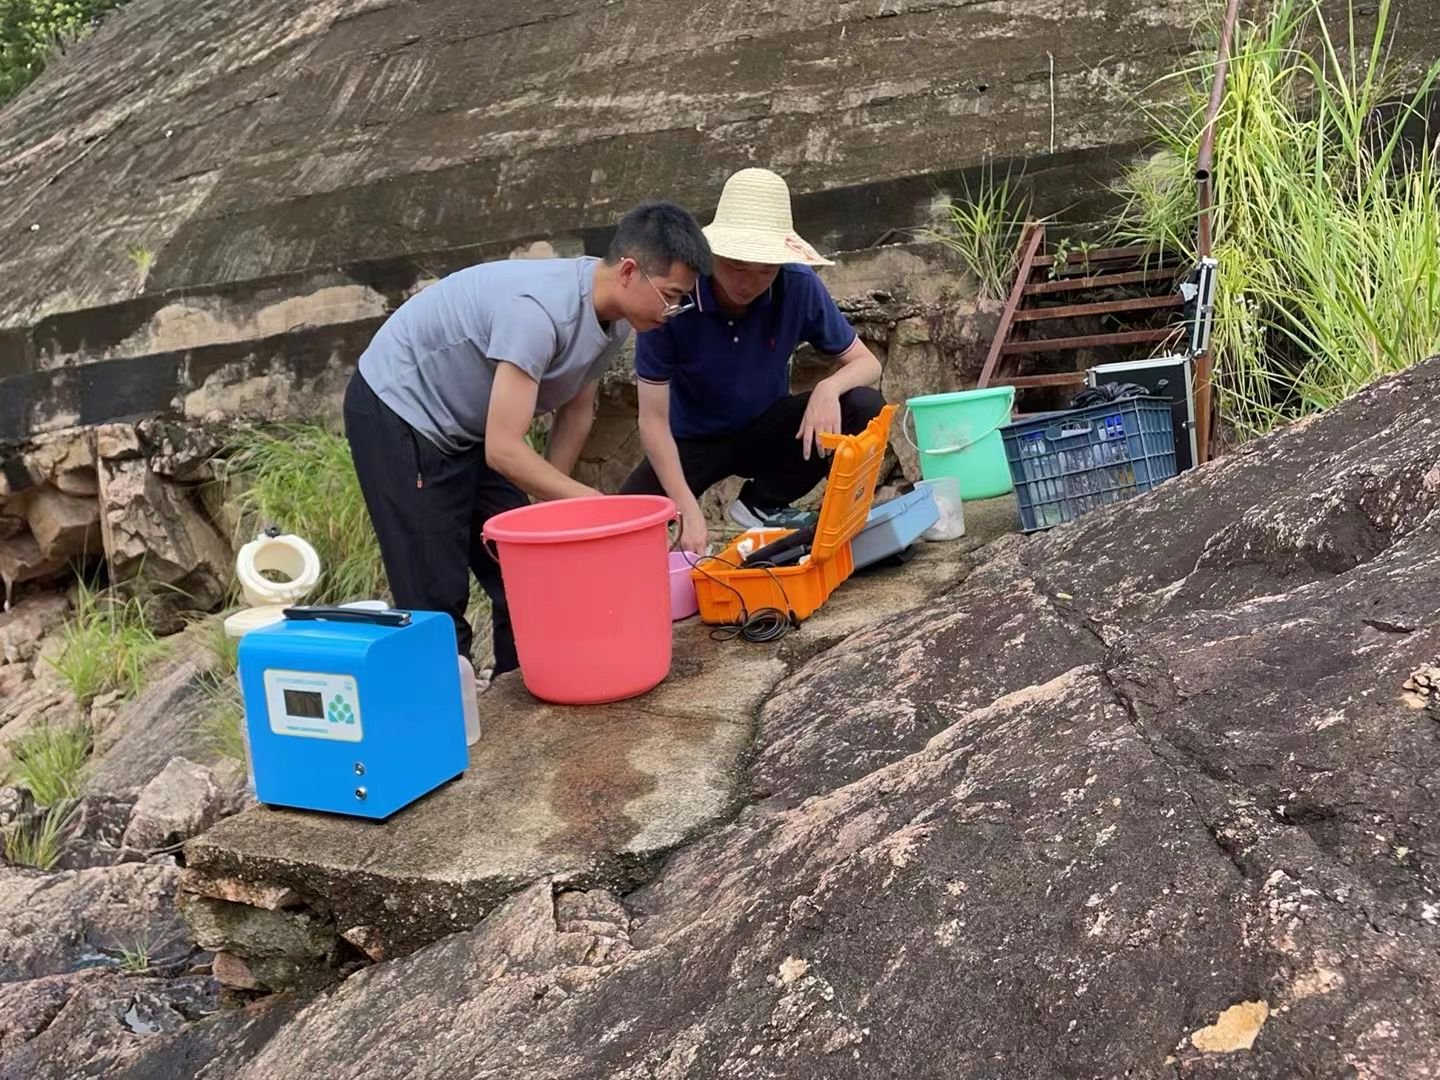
(255, 138)
(277, 141)
(583, 796)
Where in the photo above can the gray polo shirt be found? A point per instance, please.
(433, 361)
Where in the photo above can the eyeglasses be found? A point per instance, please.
(672, 308)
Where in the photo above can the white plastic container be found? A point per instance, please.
(284, 556)
(951, 523)
(469, 695)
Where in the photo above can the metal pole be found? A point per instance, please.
(1204, 177)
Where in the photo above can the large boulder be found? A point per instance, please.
(64, 526)
(182, 801)
(155, 528)
(1149, 795)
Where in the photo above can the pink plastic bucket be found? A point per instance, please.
(683, 602)
(588, 586)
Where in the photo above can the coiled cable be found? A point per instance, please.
(759, 627)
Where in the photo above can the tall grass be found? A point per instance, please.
(38, 843)
(983, 228)
(48, 761)
(1161, 205)
(224, 648)
(107, 645)
(1326, 221)
(301, 478)
(223, 717)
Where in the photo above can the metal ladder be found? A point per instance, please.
(1081, 284)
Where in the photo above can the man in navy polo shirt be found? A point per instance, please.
(714, 381)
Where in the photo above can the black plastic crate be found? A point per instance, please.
(1066, 464)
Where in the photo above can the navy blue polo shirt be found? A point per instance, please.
(725, 370)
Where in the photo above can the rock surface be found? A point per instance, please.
(167, 718)
(53, 923)
(1143, 796)
(592, 796)
(22, 559)
(93, 1023)
(156, 527)
(181, 802)
(64, 526)
(25, 624)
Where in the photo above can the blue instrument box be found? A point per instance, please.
(352, 711)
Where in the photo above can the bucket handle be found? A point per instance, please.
(1068, 430)
(958, 447)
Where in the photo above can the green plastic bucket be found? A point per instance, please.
(959, 435)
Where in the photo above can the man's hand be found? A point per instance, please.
(694, 530)
(822, 417)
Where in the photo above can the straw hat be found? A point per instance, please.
(753, 222)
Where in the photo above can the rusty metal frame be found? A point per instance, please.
(1030, 243)
(1204, 178)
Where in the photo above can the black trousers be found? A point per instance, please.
(766, 453)
(427, 508)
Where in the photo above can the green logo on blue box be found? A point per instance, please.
(339, 711)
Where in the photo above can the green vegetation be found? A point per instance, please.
(48, 761)
(107, 646)
(225, 648)
(538, 437)
(223, 718)
(302, 479)
(1161, 205)
(984, 229)
(1327, 221)
(32, 32)
(136, 958)
(1065, 255)
(38, 843)
(144, 260)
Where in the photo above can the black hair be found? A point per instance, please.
(657, 235)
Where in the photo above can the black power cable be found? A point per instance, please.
(761, 626)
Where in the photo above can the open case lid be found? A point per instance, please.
(855, 462)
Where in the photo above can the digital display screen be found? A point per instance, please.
(305, 704)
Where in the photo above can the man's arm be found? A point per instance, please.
(507, 422)
(664, 455)
(827, 329)
(858, 367)
(572, 427)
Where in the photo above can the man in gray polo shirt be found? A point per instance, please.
(438, 411)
